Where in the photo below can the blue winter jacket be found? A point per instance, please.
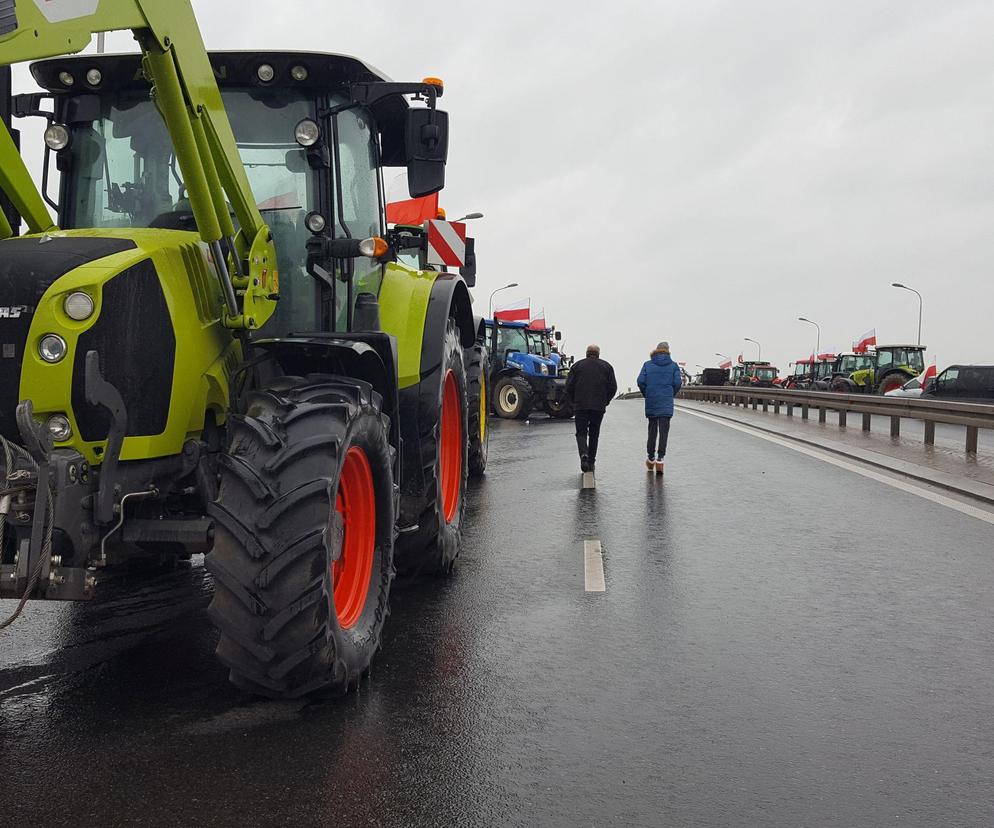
(659, 380)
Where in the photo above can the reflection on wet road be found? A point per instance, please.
(778, 642)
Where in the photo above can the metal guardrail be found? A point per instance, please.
(972, 416)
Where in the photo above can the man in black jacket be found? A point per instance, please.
(590, 388)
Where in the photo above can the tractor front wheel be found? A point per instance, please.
(304, 526)
(560, 408)
(512, 398)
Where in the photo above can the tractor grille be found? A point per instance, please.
(8, 17)
(134, 338)
(27, 269)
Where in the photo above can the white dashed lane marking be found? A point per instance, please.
(593, 566)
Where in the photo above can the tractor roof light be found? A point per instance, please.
(52, 348)
(265, 72)
(438, 83)
(307, 133)
(94, 76)
(78, 306)
(299, 73)
(57, 137)
(373, 248)
(66, 79)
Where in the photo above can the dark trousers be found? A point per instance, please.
(588, 431)
(658, 427)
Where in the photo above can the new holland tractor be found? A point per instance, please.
(522, 374)
(214, 349)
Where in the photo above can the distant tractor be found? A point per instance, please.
(758, 375)
(888, 368)
(522, 376)
(714, 376)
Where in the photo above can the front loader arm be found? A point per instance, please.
(176, 61)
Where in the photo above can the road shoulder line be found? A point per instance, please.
(965, 487)
(593, 566)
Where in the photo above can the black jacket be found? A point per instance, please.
(591, 384)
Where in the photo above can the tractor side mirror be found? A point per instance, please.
(426, 141)
(559, 336)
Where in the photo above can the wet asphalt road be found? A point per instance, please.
(738, 670)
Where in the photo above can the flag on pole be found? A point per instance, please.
(740, 359)
(519, 311)
(866, 341)
(726, 364)
(538, 323)
(930, 372)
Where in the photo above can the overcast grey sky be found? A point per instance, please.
(701, 171)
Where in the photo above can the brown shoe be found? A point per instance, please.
(659, 467)
(649, 466)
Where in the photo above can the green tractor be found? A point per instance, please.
(888, 368)
(216, 350)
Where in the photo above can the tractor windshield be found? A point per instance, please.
(766, 374)
(538, 344)
(124, 174)
(855, 362)
(913, 358)
(511, 339)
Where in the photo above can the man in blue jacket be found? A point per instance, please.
(659, 380)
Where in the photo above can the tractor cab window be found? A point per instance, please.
(511, 339)
(360, 195)
(800, 369)
(884, 359)
(124, 174)
(539, 344)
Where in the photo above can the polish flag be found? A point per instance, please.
(930, 372)
(826, 357)
(519, 311)
(727, 364)
(865, 341)
(538, 323)
(740, 359)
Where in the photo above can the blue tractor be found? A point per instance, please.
(524, 373)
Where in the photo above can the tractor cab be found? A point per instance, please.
(887, 368)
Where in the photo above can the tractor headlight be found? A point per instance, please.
(307, 133)
(265, 73)
(78, 306)
(94, 76)
(299, 73)
(52, 348)
(315, 222)
(543, 369)
(57, 137)
(66, 79)
(59, 428)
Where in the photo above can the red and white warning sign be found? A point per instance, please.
(446, 243)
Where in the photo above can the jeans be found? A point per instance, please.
(588, 431)
(658, 426)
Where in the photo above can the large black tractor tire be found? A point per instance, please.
(844, 385)
(513, 398)
(559, 409)
(478, 407)
(434, 546)
(895, 379)
(304, 531)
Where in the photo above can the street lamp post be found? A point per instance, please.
(513, 284)
(759, 357)
(818, 328)
(722, 356)
(920, 306)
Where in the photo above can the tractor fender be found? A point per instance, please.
(480, 325)
(449, 297)
(370, 356)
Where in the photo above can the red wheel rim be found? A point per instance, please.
(450, 449)
(356, 503)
